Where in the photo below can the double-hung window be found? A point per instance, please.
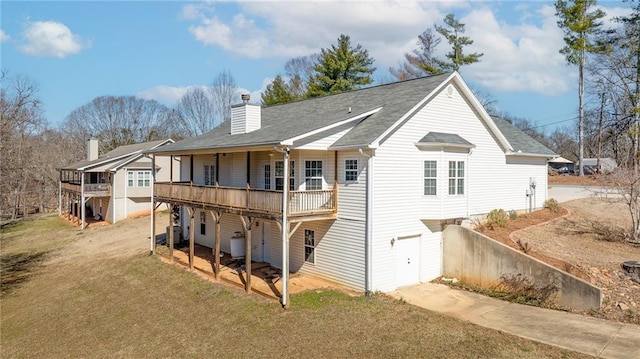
(313, 175)
(267, 177)
(309, 246)
(350, 170)
(203, 223)
(144, 178)
(456, 177)
(279, 175)
(130, 179)
(430, 178)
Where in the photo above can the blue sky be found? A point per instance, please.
(77, 51)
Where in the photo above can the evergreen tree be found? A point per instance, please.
(582, 34)
(452, 32)
(341, 68)
(277, 92)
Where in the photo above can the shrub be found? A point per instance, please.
(497, 218)
(513, 214)
(552, 205)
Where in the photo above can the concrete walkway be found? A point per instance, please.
(597, 337)
(564, 193)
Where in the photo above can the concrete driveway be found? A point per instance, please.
(564, 193)
(597, 337)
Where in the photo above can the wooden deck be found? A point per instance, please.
(247, 200)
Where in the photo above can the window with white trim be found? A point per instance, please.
(130, 179)
(430, 178)
(309, 246)
(456, 177)
(209, 175)
(144, 178)
(279, 175)
(350, 170)
(313, 175)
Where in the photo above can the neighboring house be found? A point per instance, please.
(607, 165)
(368, 178)
(113, 186)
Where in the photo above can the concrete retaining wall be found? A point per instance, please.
(479, 260)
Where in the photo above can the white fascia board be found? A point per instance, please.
(523, 154)
(289, 141)
(107, 160)
(134, 158)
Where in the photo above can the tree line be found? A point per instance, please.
(606, 124)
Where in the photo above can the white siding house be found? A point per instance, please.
(375, 175)
(113, 186)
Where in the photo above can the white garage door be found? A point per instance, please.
(407, 261)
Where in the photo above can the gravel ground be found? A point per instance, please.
(573, 240)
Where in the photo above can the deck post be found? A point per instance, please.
(192, 213)
(170, 234)
(216, 250)
(247, 223)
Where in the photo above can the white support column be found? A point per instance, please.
(152, 239)
(81, 204)
(285, 231)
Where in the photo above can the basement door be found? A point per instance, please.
(407, 261)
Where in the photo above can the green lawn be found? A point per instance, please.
(139, 307)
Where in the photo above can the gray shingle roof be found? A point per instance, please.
(440, 138)
(117, 154)
(281, 122)
(520, 141)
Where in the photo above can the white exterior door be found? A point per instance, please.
(266, 241)
(407, 261)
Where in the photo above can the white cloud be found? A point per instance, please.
(4, 37)
(167, 95)
(522, 57)
(171, 95)
(520, 47)
(50, 38)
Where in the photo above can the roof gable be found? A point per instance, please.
(118, 156)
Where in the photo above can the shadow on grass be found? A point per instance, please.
(17, 268)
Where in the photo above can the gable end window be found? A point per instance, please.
(309, 246)
(350, 170)
(430, 178)
(456, 177)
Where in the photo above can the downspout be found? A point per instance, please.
(60, 195)
(368, 256)
(285, 226)
(126, 190)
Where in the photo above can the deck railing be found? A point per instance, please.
(255, 200)
(91, 189)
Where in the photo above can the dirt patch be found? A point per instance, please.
(570, 243)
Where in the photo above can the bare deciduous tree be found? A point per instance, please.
(196, 111)
(20, 121)
(120, 120)
(224, 93)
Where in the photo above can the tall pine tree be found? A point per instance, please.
(582, 35)
(452, 31)
(341, 68)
